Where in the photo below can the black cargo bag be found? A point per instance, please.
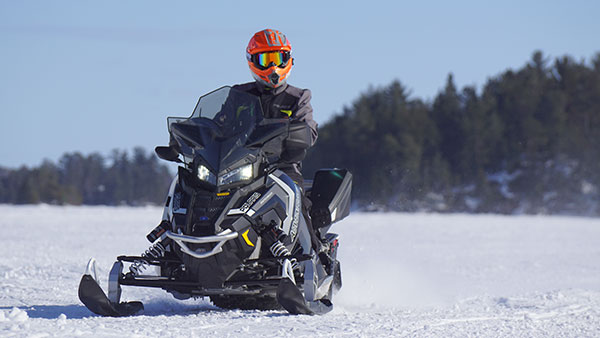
(330, 196)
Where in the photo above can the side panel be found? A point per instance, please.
(330, 196)
(290, 224)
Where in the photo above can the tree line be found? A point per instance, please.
(121, 178)
(528, 142)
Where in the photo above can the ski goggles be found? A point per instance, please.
(264, 60)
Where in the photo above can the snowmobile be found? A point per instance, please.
(233, 228)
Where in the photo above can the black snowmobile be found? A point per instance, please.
(233, 228)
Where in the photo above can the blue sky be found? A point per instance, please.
(91, 76)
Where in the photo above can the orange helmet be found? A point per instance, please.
(269, 55)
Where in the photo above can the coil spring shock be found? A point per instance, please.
(278, 250)
(154, 251)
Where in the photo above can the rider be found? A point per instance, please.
(269, 55)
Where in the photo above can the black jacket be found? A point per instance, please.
(285, 101)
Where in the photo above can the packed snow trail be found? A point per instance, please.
(404, 275)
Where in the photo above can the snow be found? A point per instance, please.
(404, 275)
(503, 178)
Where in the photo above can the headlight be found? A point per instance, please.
(238, 174)
(205, 175)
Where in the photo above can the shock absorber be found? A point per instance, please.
(278, 250)
(154, 251)
(272, 233)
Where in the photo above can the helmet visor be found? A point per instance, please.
(264, 60)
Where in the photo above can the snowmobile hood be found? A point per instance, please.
(227, 130)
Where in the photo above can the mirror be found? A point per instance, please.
(168, 153)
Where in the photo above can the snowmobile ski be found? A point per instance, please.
(291, 298)
(94, 298)
(288, 294)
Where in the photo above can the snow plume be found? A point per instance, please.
(375, 268)
(384, 285)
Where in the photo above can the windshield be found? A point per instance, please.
(234, 112)
(219, 127)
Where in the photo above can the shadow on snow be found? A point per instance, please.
(152, 309)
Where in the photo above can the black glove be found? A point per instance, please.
(297, 142)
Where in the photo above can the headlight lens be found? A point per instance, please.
(205, 175)
(242, 173)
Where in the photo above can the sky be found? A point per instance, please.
(92, 76)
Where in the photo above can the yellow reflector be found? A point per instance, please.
(222, 194)
(245, 236)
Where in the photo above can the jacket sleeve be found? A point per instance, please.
(304, 113)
